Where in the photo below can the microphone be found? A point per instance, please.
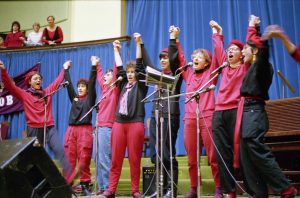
(65, 84)
(225, 64)
(114, 83)
(187, 65)
(211, 87)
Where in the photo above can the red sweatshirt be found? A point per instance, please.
(108, 106)
(229, 92)
(34, 109)
(13, 39)
(196, 80)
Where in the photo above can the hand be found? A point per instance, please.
(174, 32)
(273, 31)
(117, 45)
(138, 38)
(254, 21)
(2, 65)
(214, 25)
(67, 64)
(22, 39)
(95, 60)
(52, 43)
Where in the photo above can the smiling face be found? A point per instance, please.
(50, 20)
(248, 53)
(35, 81)
(234, 54)
(36, 27)
(164, 62)
(199, 60)
(130, 73)
(82, 89)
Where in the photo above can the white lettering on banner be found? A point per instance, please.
(9, 100)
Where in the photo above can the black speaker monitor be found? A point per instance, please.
(28, 171)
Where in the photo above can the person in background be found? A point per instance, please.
(258, 163)
(2, 44)
(35, 37)
(52, 34)
(34, 103)
(106, 117)
(128, 129)
(275, 31)
(203, 64)
(79, 135)
(15, 38)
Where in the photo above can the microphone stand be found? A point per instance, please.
(197, 97)
(158, 144)
(96, 135)
(44, 98)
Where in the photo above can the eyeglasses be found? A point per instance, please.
(233, 49)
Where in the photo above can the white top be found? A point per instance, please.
(34, 39)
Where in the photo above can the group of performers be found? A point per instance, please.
(232, 125)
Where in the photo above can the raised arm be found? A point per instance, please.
(218, 40)
(119, 62)
(92, 80)
(9, 84)
(275, 31)
(253, 28)
(173, 51)
(70, 88)
(55, 84)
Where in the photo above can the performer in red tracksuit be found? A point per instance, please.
(79, 135)
(275, 31)
(128, 129)
(259, 166)
(34, 113)
(196, 77)
(224, 117)
(106, 117)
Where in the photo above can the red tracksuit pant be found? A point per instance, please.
(130, 135)
(190, 142)
(78, 147)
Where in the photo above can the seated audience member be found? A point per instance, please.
(2, 44)
(35, 37)
(52, 34)
(15, 38)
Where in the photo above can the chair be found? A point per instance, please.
(147, 138)
(4, 126)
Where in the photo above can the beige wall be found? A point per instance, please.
(82, 20)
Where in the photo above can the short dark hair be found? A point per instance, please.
(52, 17)
(109, 70)
(83, 81)
(15, 23)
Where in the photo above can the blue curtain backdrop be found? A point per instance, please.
(51, 63)
(152, 19)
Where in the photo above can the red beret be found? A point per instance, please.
(163, 52)
(30, 74)
(237, 43)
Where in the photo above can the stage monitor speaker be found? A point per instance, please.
(28, 171)
(149, 180)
